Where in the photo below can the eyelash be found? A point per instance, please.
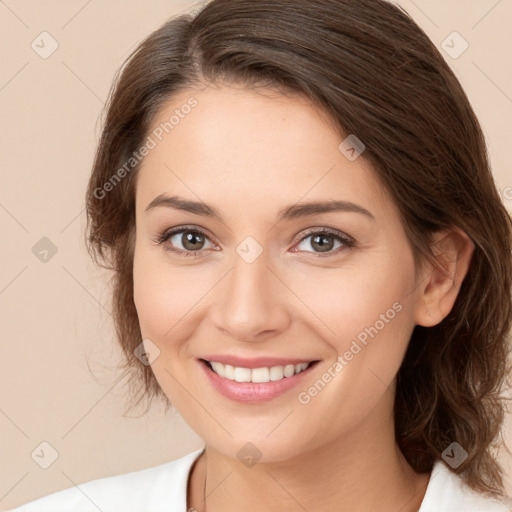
(347, 241)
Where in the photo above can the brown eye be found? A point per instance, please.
(325, 242)
(184, 241)
(192, 240)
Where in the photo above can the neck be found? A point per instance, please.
(359, 471)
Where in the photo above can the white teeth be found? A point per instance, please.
(260, 375)
(289, 370)
(219, 369)
(276, 373)
(257, 375)
(242, 374)
(229, 371)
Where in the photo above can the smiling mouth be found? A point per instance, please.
(257, 375)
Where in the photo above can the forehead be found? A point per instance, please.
(252, 146)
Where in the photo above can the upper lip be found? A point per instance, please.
(255, 362)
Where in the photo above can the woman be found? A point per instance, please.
(312, 264)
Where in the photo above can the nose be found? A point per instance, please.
(250, 305)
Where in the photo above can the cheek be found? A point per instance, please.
(166, 297)
(375, 316)
(156, 301)
(162, 308)
(350, 299)
(369, 311)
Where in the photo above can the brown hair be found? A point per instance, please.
(376, 73)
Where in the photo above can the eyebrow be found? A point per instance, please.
(288, 213)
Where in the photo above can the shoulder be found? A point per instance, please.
(155, 489)
(447, 492)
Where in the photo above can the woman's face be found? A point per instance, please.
(264, 286)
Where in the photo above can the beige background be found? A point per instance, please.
(54, 315)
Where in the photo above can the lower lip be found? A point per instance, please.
(252, 392)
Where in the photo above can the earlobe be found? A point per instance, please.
(440, 287)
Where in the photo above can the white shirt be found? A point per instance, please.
(163, 488)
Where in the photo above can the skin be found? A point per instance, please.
(248, 154)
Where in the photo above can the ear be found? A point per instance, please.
(440, 286)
